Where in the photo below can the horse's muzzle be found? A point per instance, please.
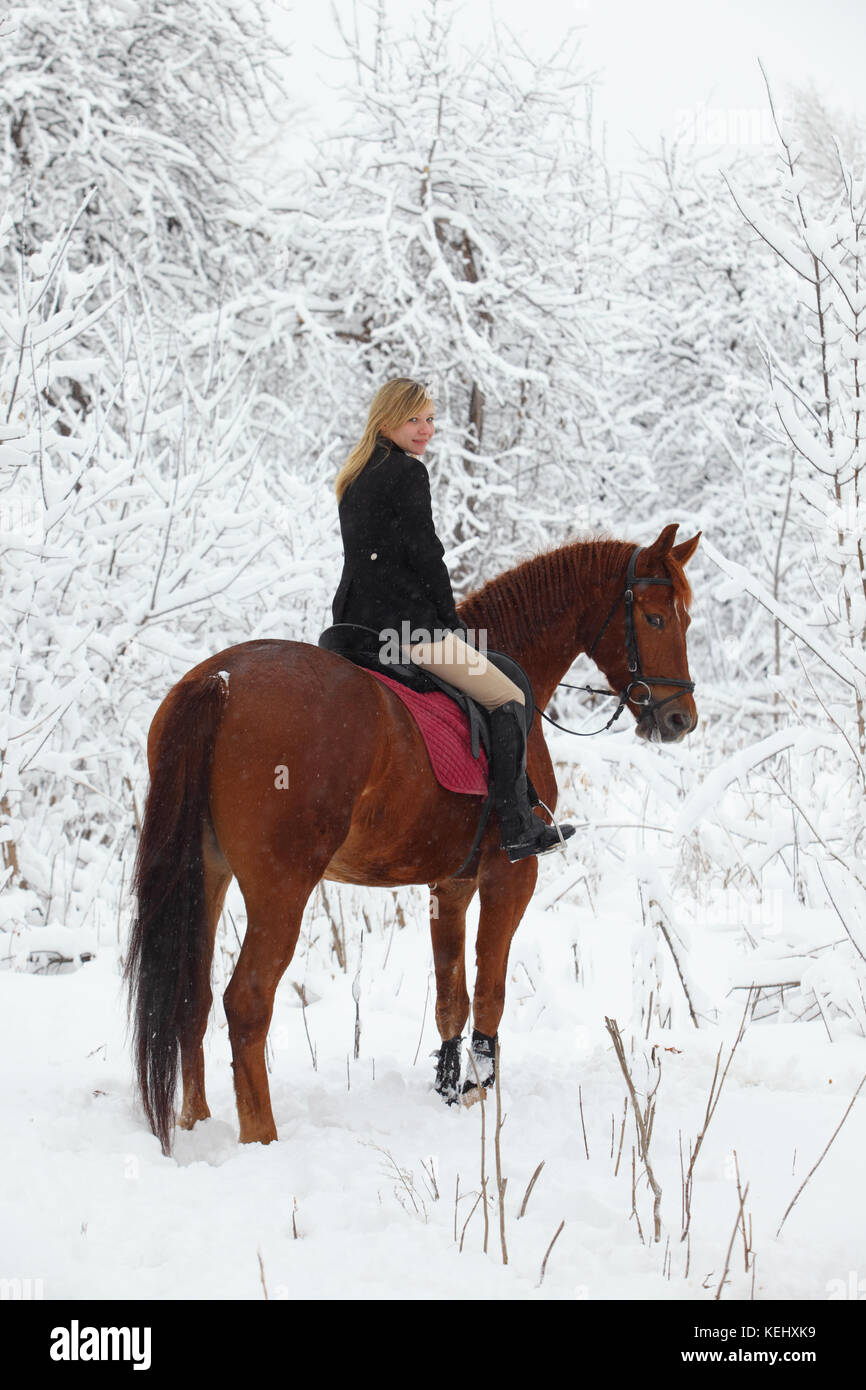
(668, 725)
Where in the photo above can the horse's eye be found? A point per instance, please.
(654, 620)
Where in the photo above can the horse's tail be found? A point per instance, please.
(168, 964)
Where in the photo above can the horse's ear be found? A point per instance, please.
(683, 553)
(662, 546)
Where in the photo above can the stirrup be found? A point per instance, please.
(527, 848)
(563, 833)
(524, 849)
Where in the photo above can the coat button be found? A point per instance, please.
(374, 555)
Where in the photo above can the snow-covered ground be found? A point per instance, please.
(370, 1190)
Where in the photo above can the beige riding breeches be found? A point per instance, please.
(459, 663)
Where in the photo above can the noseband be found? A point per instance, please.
(639, 677)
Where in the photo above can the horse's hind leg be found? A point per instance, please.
(448, 903)
(275, 906)
(217, 877)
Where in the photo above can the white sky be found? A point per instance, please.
(660, 62)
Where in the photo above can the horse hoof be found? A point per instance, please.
(264, 1134)
(447, 1081)
(190, 1117)
(472, 1094)
(481, 1070)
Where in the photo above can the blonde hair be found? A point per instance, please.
(393, 404)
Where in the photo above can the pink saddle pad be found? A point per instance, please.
(445, 730)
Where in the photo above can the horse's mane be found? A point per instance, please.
(513, 603)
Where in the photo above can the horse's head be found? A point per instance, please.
(642, 646)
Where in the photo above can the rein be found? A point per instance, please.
(639, 676)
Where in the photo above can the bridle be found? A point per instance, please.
(638, 676)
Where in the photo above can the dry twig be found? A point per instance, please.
(712, 1103)
(547, 1254)
(820, 1159)
(643, 1120)
(530, 1185)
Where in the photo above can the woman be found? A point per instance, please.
(395, 581)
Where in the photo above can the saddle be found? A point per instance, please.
(362, 646)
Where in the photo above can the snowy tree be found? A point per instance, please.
(135, 528)
(136, 108)
(830, 140)
(123, 123)
(700, 435)
(815, 761)
(119, 566)
(454, 230)
(819, 400)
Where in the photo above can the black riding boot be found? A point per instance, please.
(523, 833)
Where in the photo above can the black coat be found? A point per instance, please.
(393, 570)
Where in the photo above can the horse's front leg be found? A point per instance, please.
(505, 890)
(448, 903)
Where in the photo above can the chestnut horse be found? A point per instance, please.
(282, 764)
